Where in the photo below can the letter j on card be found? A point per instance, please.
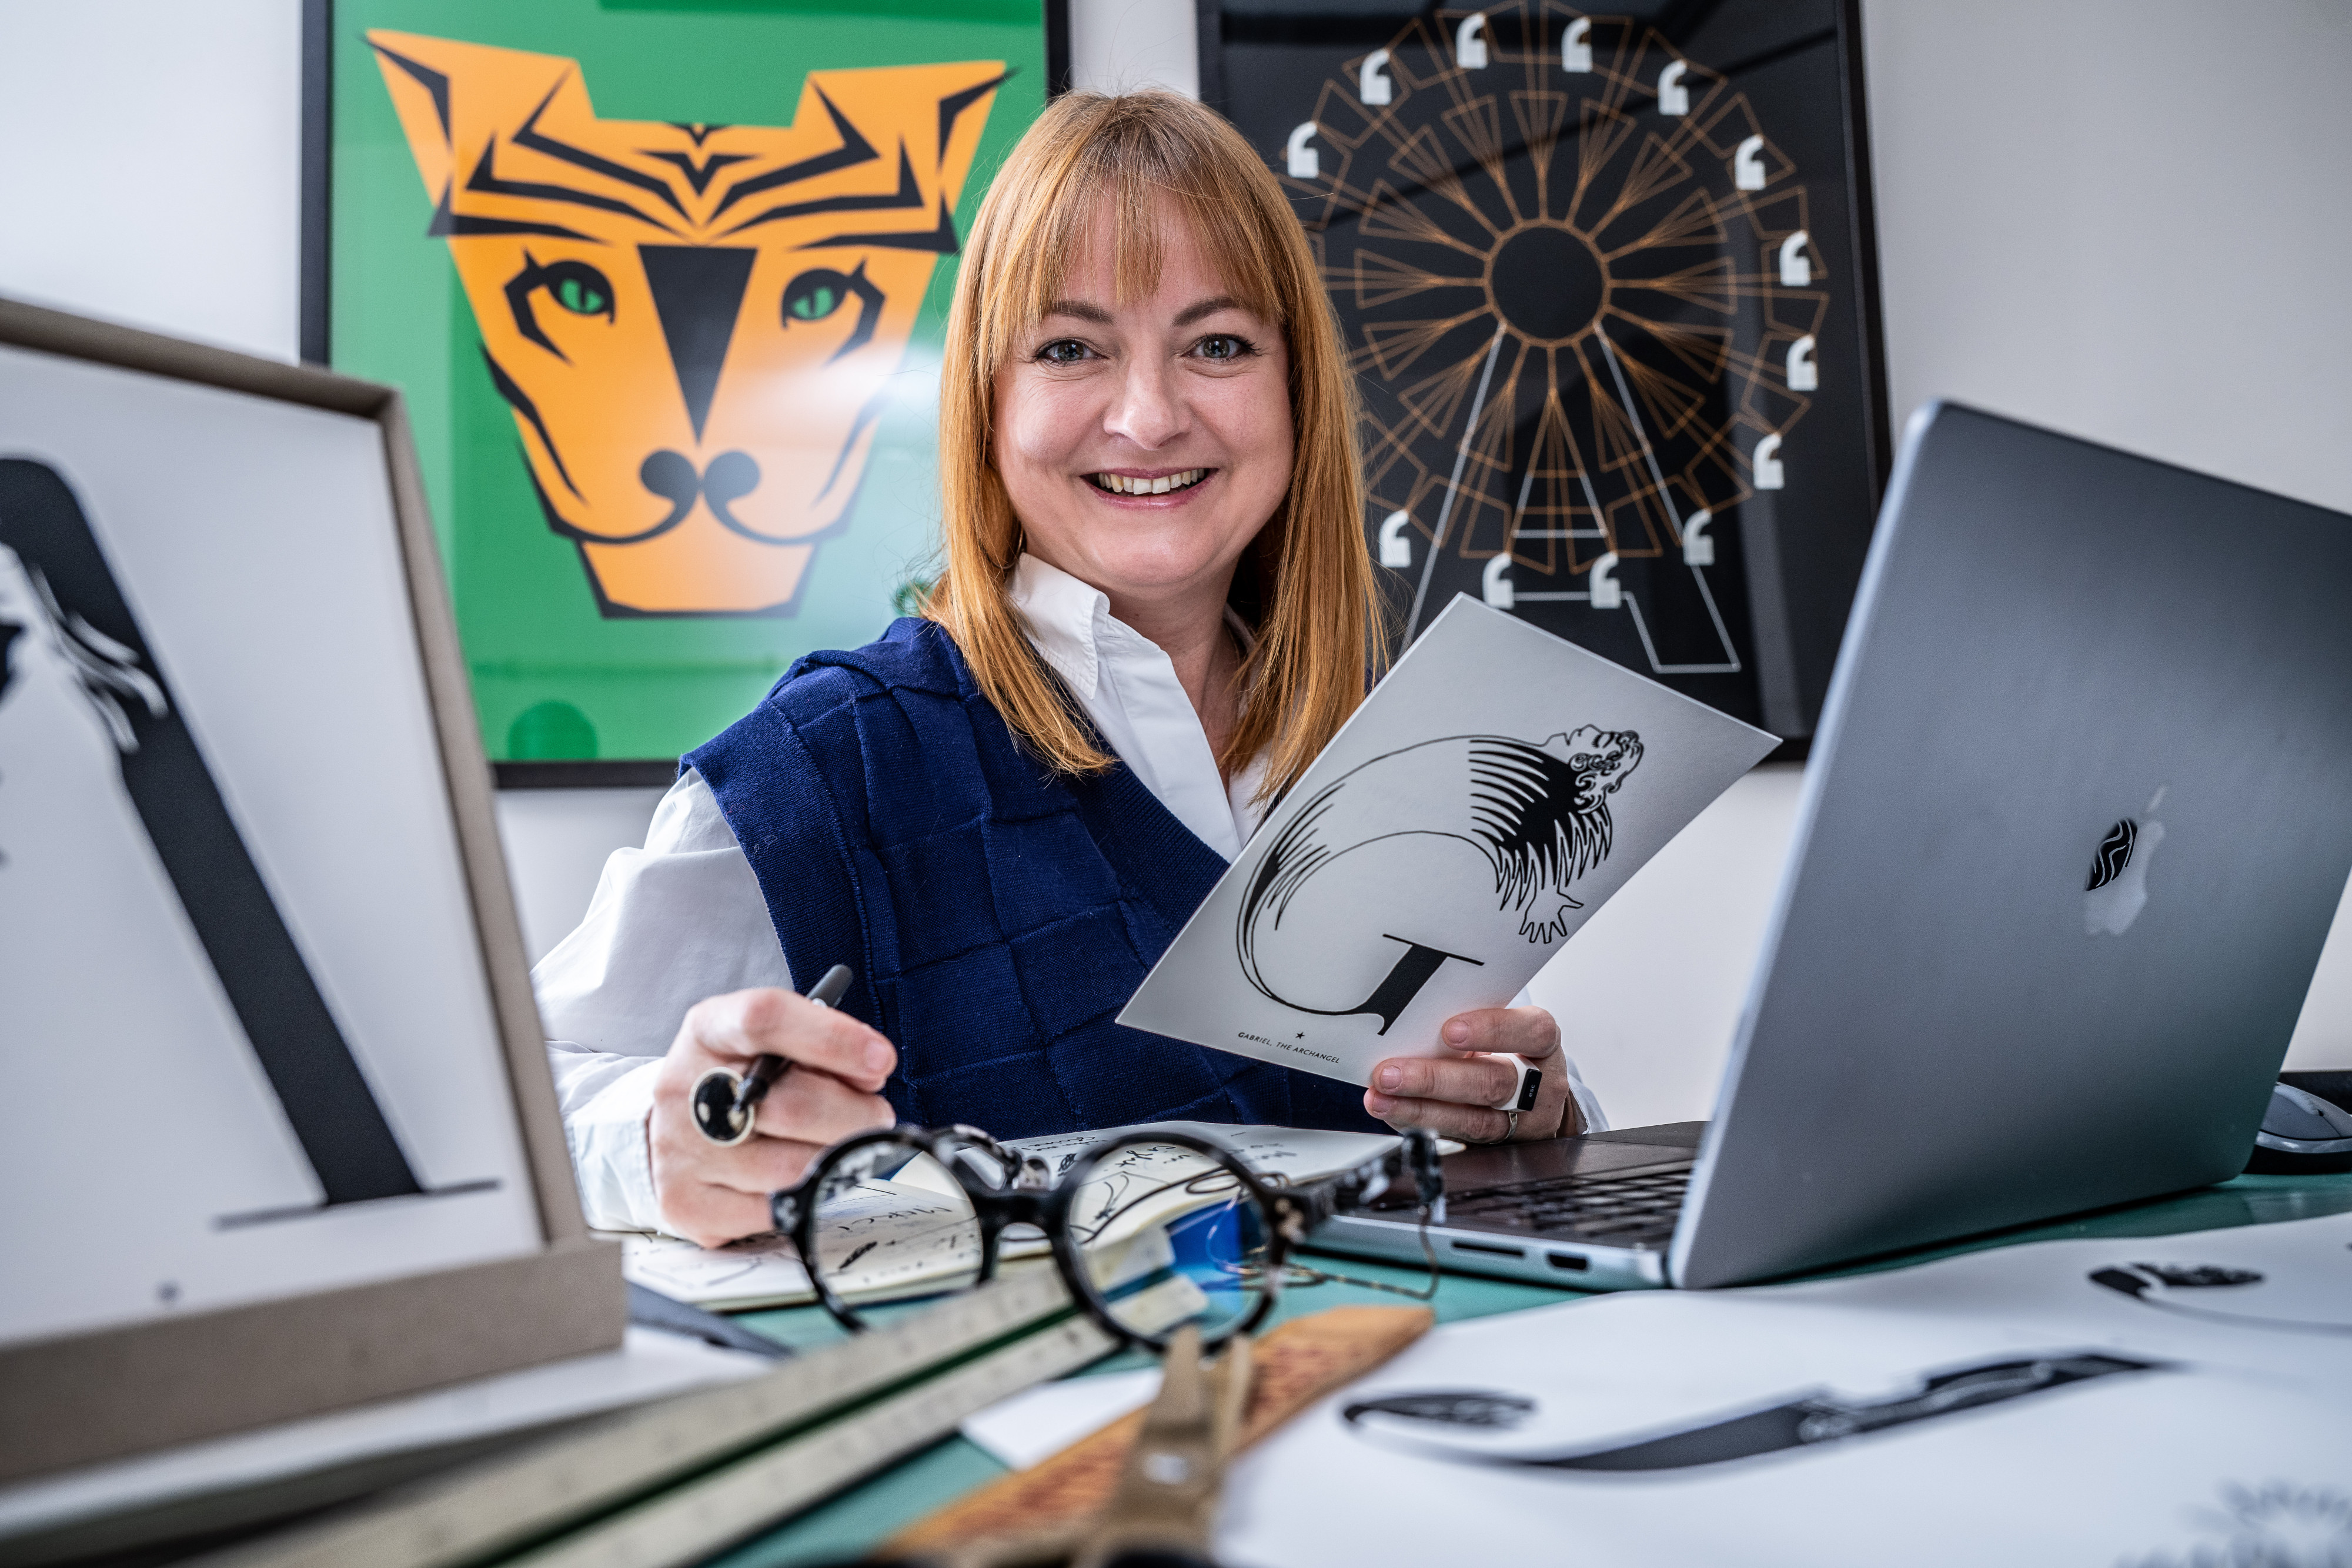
(1491, 794)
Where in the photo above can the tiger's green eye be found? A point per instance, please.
(580, 296)
(574, 285)
(813, 296)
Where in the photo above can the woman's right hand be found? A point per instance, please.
(714, 1194)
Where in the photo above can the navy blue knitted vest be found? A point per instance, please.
(997, 917)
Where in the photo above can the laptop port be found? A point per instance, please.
(1496, 1251)
(1568, 1261)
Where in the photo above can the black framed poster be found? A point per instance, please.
(1608, 285)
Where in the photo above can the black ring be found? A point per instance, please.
(713, 1102)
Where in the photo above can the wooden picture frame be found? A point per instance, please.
(81, 1397)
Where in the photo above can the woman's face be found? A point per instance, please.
(1145, 442)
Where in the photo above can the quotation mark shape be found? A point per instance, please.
(1470, 43)
(1804, 375)
(1576, 46)
(1699, 545)
(1672, 97)
(1747, 164)
(1607, 592)
(1396, 545)
(1796, 266)
(1305, 164)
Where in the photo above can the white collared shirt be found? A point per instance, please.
(683, 918)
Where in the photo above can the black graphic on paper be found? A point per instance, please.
(1537, 816)
(2155, 1284)
(334, 1115)
(2277, 1526)
(1808, 1421)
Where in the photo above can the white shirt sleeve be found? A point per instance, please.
(675, 921)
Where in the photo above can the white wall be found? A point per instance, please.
(556, 843)
(2121, 217)
(2127, 219)
(1121, 46)
(150, 162)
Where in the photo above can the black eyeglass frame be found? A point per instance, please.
(1036, 1195)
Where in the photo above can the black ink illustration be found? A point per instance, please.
(2276, 1526)
(2155, 1284)
(1537, 816)
(82, 616)
(1808, 1421)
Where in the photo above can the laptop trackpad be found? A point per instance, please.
(1485, 1166)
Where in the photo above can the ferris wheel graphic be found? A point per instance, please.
(1583, 304)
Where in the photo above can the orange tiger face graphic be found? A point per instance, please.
(695, 325)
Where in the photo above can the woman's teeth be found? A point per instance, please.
(1119, 484)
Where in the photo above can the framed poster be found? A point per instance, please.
(251, 899)
(1610, 287)
(664, 283)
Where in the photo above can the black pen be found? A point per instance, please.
(723, 1103)
(825, 993)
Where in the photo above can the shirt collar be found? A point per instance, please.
(1070, 620)
(1065, 617)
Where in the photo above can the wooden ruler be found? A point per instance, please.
(838, 1413)
(1297, 1364)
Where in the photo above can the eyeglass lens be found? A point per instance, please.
(1168, 1235)
(893, 1224)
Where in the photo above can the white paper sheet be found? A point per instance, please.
(1038, 1423)
(1497, 789)
(2191, 1441)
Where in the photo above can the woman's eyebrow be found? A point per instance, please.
(1081, 309)
(1191, 313)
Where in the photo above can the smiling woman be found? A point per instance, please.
(1156, 609)
(1136, 302)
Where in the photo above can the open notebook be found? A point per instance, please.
(904, 1237)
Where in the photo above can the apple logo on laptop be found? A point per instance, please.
(2117, 889)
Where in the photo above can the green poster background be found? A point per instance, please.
(553, 679)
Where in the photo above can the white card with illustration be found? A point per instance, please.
(1492, 794)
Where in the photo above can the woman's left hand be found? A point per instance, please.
(1453, 1095)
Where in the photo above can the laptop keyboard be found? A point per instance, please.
(1613, 1210)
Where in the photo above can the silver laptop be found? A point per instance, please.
(2077, 820)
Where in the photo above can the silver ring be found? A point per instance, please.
(1510, 1128)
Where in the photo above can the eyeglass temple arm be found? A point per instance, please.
(1318, 1201)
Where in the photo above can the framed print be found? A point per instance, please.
(1608, 285)
(277, 1131)
(664, 283)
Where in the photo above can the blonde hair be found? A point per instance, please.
(1310, 576)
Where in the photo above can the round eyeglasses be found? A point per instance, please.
(1151, 1230)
